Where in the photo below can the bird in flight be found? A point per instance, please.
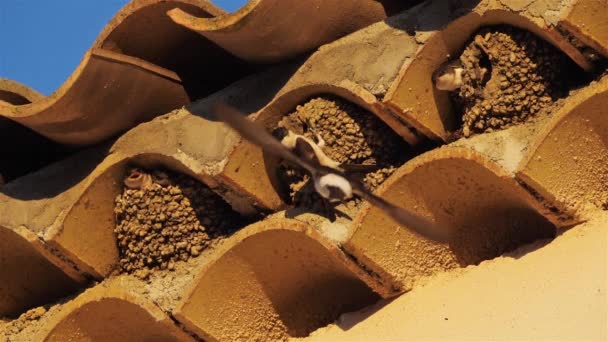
(329, 181)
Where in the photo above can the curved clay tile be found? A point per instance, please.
(105, 82)
(272, 30)
(526, 288)
(109, 313)
(413, 96)
(202, 66)
(75, 197)
(142, 65)
(16, 93)
(40, 202)
(273, 280)
(479, 202)
(568, 163)
(33, 150)
(31, 274)
(587, 21)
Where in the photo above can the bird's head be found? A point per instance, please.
(280, 133)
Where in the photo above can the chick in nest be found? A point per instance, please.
(137, 179)
(448, 76)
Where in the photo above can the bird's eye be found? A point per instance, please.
(279, 133)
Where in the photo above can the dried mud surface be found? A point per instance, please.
(510, 75)
(12, 329)
(352, 135)
(165, 287)
(27, 326)
(163, 218)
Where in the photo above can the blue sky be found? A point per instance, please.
(31, 52)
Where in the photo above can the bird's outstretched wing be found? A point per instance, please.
(402, 216)
(360, 168)
(259, 136)
(256, 134)
(306, 151)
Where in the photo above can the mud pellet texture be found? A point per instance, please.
(169, 219)
(352, 135)
(15, 327)
(509, 76)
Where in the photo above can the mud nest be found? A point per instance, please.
(509, 76)
(163, 218)
(352, 135)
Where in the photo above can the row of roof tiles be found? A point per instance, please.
(46, 214)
